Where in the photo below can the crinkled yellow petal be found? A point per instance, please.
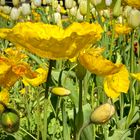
(97, 64)
(39, 79)
(109, 91)
(135, 75)
(51, 41)
(122, 29)
(133, 3)
(4, 67)
(117, 83)
(4, 98)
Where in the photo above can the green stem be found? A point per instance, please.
(46, 99)
(28, 133)
(88, 11)
(80, 111)
(121, 106)
(112, 39)
(81, 129)
(132, 92)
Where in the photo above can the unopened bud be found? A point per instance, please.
(15, 2)
(73, 11)
(117, 8)
(68, 4)
(127, 10)
(83, 7)
(134, 18)
(15, 13)
(25, 9)
(2, 2)
(10, 120)
(60, 91)
(37, 2)
(79, 16)
(108, 2)
(102, 114)
(6, 9)
(96, 2)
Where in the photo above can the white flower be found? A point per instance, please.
(15, 13)
(25, 9)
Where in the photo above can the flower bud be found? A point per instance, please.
(57, 19)
(25, 9)
(6, 9)
(73, 11)
(80, 71)
(60, 91)
(15, 2)
(15, 13)
(102, 114)
(134, 18)
(2, 2)
(68, 4)
(117, 8)
(83, 7)
(108, 2)
(10, 120)
(127, 10)
(96, 2)
(37, 2)
(79, 16)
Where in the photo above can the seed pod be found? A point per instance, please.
(102, 114)
(10, 120)
(60, 91)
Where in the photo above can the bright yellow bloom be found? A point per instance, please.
(116, 83)
(97, 64)
(51, 41)
(41, 76)
(4, 98)
(135, 75)
(116, 75)
(122, 29)
(133, 3)
(12, 68)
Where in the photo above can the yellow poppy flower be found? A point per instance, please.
(135, 75)
(133, 3)
(122, 29)
(97, 64)
(4, 98)
(12, 68)
(116, 83)
(39, 79)
(51, 41)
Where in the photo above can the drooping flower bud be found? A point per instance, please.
(134, 18)
(102, 114)
(10, 120)
(83, 7)
(15, 13)
(60, 91)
